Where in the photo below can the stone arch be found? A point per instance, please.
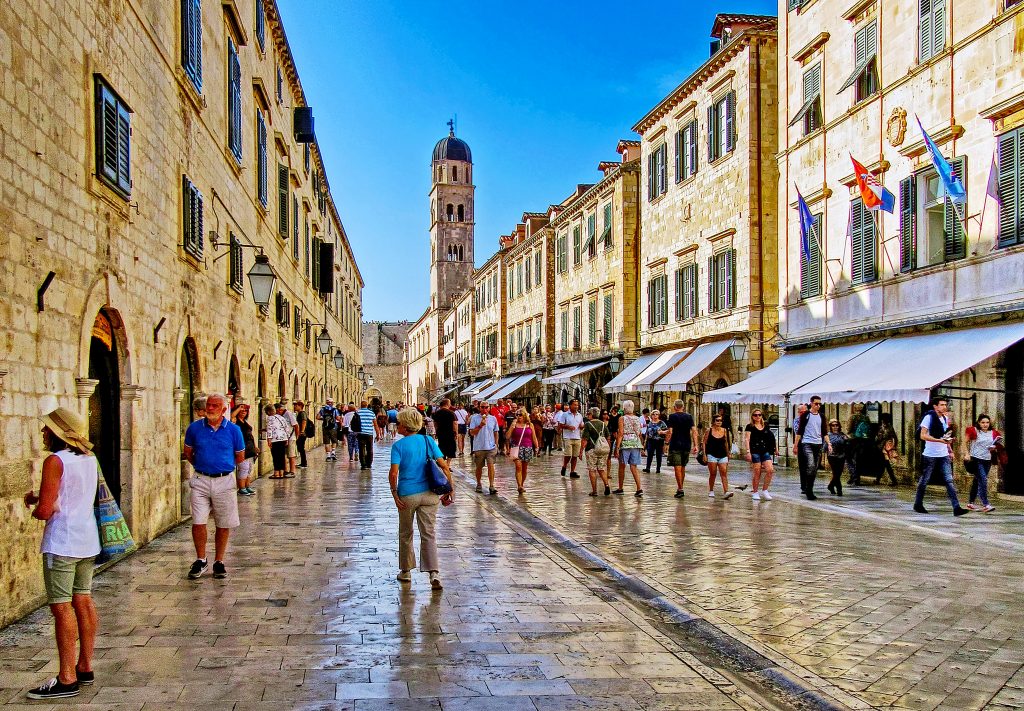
(295, 387)
(234, 383)
(455, 173)
(462, 213)
(281, 393)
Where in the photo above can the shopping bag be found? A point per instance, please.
(115, 538)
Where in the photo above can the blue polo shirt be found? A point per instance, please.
(214, 448)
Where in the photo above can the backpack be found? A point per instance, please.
(309, 429)
(600, 442)
(329, 414)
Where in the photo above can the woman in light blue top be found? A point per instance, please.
(413, 497)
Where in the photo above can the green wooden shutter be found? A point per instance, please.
(679, 155)
(316, 265)
(650, 176)
(730, 279)
(295, 228)
(908, 224)
(857, 256)
(607, 328)
(938, 26)
(955, 242)
(261, 158)
(282, 200)
(592, 319)
(924, 30)
(197, 29)
(234, 102)
(712, 134)
(693, 149)
(712, 305)
(199, 236)
(730, 121)
(678, 285)
(1011, 188)
(810, 266)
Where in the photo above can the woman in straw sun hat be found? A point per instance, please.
(70, 544)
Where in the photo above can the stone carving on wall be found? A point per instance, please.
(896, 129)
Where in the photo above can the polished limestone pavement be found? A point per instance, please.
(312, 617)
(897, 609)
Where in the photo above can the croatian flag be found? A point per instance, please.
(872, 192)
(806, 225)
(950, 181)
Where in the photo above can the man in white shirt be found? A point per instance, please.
(938, 451)
(293, 448)
(570, 424)
(462, 420)
(351, 438)
(483, 428)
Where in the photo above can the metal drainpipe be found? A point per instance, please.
(760, 205)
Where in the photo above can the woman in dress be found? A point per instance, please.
(836, 456)
(656, 429)
(243, 472)
(979, 447)
(716, 445)
(278, 432)
(629, 443)
(523, 439)
(759, 441)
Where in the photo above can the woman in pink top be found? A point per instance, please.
(523, 440)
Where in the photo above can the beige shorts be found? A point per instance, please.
(216, 494)
(293, 449)
(597, 462)
(482, 456)
(571, 447)
(64, 577)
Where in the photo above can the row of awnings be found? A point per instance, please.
(566, 374)
(667, 371)
(893, 369)
(490, 390)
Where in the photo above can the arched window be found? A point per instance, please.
(440, 173)
(462, 214)
(451, 212)
(455, 174)
(460, 254)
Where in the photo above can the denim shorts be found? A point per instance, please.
(758, 458)
(629, 455)
(717, 460)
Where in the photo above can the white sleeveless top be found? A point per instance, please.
(72, 530)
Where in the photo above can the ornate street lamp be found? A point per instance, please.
(361, 374)
(339, 359)
(262, 280)
(323, 341)
(738, 350)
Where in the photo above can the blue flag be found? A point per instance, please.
(806, 225)
(952, 183)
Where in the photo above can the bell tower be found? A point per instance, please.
(451, 219)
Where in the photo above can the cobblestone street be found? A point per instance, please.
(311, 617)
(895, 608)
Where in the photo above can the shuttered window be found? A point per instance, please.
(528, 278)
(565, 329)
(560, 253)
(113, 139)
(235, 271)
(924, 240)
(538, 270)
(193, 239)
(657, 171)
(1010, 181)
(954, 216)
(686, 292)
(234, 102)
(865, 71)
(315, 276)
(282, 200)
(591, 244)
(722, 281)
(577, 246)
(296, 323)
(577, 325)
(931, 28)
(864, 244)
(295, 229)
(810, 111)
(306, 243)
(592, 321)
(261, 25)
(261, 158)
(908, 224)
(657, 301)
(192, 41)
(721, 127)
(810, 265)
(606, 229)
(686, 151)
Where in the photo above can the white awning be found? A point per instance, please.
(476, 387)
(494, 387)
(666, 361)
(619, 383)
(907, 368)
(698, 360)
(564, 376)
(514, 386)
(443, 394)
(771, 385)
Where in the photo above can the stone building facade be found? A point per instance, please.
(139, 171)
(865, 71)
(383, 357)
(709, 180)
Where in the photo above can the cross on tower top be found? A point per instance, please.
(451, 127)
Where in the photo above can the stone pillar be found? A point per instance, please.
(185, 469)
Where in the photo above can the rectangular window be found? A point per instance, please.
(931, 28)
(305, 156)
(606, 229)
(864, 244)
(722, 281)
(520, 286)
(592, 321)
(721, 127)
(608, 319)
(192, 219)
(657, 301)
(809, 115)
(295, 228)
(280, 86)
(309, 337)
(235, 259)
(577, 326)
(261, 25)
(591, 245)
(686, 152)
(686, 292)
(1010, 181)
(810, 266)
(306, 242)
(577, 246)
(565, 329)
(528, 263)
(865, 48)
(538, 269)
(192, 41)
(560, 253)
(234, 102)
(315, 277)
(931, 231)
(657, 172)
(113, 139)
(282, 201)
(261, 158)
(296, 323)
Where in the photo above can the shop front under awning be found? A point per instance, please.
(619, 383)
(516, 385)
(696, 361)
(498, 384)
(565, 376)
(896, 369)
(476, 387)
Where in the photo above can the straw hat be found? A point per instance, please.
(69, 427)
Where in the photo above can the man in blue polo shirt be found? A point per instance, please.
(367, 433)
(213, 446)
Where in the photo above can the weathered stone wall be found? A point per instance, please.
(383, 351)
(123, 256)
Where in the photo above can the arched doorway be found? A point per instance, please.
(105, 401)
(375, 397)
(261, 396)
(295, 388)
(280, 385)
(234, 381)
(188, 377)
(1012, 476)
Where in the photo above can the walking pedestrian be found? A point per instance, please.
(979, 446)
(293, 436)
(214, 446)
(243, 473)
(858, 441)
(413, 497)
(810, 439)
(70, 545)
(365, 425)
(328, 415)
(938, 449)
(446, 429)
(613, 438)
(656, 431)
(301, 420)
(392, 414)
(549, 428)
(886, 441)
(483, 431)
(837, 442)
(277, 438)
(381, 424)
(682, 442)
(461, 419)
(629, 442)
(759, 441)
(716, 446)
(595, 450)
(570, 422)
(523, 440)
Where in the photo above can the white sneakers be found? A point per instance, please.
(756, 496)
(711, 494)
(766, 496)
(435, 580)
(728, 495)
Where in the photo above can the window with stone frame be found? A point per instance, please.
(722, 281)
(261, 158)
(590, 246)
(607, 318)
(283, 190)
(592, 321)
(722, 126)
(657, 300)
(577, 326)
(686, 151)
(1010, 187)
(193, 238)
(261, 25)
(810, 264)
(234, 102)
(931, 28)
(538, 269)
(192, 41)
(306, 254)
(577, 246)
(113, 139)
(561, 258)
(606, 229)
(657, 171)
(295, 228)
(528, 264)
(686, 292)
(865, 70)
(931, 225)
(565, 328)
(809, 116)
(864, 244)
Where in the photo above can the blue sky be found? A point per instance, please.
(543, 92)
